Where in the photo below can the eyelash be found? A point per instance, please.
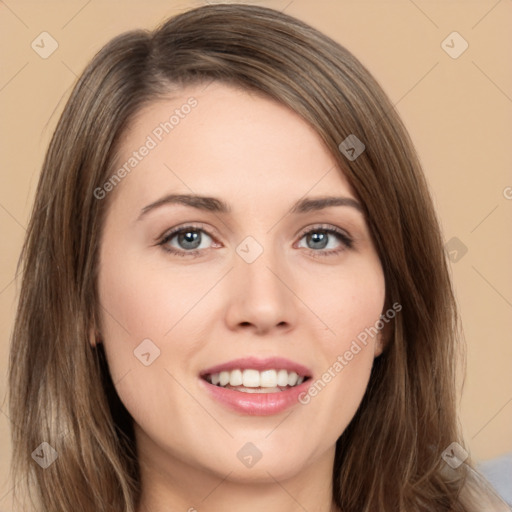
(343, 237)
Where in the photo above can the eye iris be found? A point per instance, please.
(189, 237)
(319, 238)
(192, 239)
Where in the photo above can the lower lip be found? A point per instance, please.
(256, 404)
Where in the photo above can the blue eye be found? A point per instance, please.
(188, 238)
(320, 238)
(194, 240)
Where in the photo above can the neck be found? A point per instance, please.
(169, 484)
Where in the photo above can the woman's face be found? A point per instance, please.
(263, 287)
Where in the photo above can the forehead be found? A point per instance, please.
(223, 141)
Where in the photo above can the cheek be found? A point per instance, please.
(141, 300)
(141, 314)
(351, 309)
(148, 309)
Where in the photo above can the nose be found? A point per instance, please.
(260, 296)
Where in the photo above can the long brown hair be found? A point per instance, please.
(389, 457)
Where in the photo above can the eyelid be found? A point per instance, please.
(345, 238)
(171, 233)
(199, 226)
(325, 227)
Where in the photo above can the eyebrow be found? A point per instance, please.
(213, 204)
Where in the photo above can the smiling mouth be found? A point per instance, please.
(254, 381)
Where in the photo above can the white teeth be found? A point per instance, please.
(259, 390)
(223, 378)
(236, 378)
(292, 379)
(282, 378)
(250, 379)
(268, 379)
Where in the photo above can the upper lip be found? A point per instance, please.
(255, 363)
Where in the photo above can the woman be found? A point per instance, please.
(235, 294)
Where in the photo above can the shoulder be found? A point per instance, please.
(478, 495)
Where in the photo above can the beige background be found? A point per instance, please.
(459, 113)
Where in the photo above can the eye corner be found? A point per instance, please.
(163, 240)
(342, 235)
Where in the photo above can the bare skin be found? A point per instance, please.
(297, 300)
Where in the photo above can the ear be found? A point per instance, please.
(383, 338)
(379, 346)
(94, 337)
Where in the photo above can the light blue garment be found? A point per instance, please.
(499, 473)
